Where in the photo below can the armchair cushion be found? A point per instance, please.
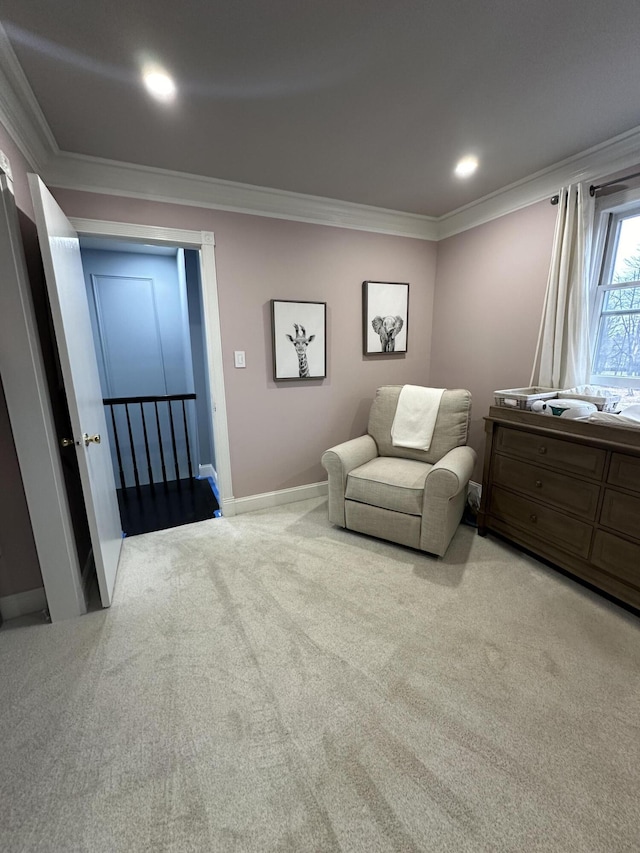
(396, 484)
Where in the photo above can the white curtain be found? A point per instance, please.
(563, 353)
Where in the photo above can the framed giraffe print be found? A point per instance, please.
(299, 332)
(385, 317)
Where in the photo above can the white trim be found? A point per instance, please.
(97, 175)
(213, 346)
(23, 603)
(20, 112)
(270, 499)
(138, 233)
(209, 472)
(92, 174)
(475, 489)
(597, 162)
(205, 241)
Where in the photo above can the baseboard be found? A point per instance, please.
(475, 488)
(271, 499)
(22, 603)
(209, 472)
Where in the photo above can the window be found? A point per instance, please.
(616, 314)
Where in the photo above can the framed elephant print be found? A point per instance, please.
(385, 316)
(299, 331)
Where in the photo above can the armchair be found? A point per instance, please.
(412, 497)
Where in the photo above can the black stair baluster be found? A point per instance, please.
(186, 435)
(173, 442)
(168, 399)
(133, 448)
(118, 454)
(164, 470)
(146, 445)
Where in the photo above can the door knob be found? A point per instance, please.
(67, 442)
(88, 439)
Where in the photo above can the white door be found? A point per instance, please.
(69, 308)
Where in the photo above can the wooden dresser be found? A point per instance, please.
(567, 491)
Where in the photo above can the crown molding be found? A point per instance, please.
(20, 112)
(620, 152)
(94, 174)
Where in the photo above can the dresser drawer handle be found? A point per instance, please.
(542, 450)
(533, 517)
(538, 484)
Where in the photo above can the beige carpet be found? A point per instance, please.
(271, 683)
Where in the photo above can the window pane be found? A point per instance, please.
(618, 346)
(624, 299)
(627, 261)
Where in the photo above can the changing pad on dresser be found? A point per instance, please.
(628, 418)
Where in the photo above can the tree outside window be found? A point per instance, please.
(617, 353)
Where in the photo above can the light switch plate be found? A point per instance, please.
(238, 358)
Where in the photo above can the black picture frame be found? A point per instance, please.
(385, 318)
(299, 339)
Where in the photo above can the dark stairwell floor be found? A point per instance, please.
(165, 505)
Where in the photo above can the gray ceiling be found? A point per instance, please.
(370, 102)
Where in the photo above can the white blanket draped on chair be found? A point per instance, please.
(415, 417)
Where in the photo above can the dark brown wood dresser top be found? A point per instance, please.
(568, 491)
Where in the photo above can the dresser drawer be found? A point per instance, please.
(621, 512)
(617, 557)
(625, 471)
(566, 456)
(541, 522)
(549, 487)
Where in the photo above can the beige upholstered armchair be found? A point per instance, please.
(410, 496)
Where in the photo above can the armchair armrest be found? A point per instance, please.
(445, 494)
(451, 474)
(338, 462)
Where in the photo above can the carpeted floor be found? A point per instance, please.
(271, 683)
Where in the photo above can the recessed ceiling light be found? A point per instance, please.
(159, 84)
(466, 166)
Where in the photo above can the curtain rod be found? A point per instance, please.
(593, 189)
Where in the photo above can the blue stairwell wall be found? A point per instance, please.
(141, 319)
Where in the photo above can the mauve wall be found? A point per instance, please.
(19, 566)
(278, 432)
(490, 286)
(484, 302)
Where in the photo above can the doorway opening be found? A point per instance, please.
(147, 316)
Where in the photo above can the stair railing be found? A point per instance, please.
(149, 423)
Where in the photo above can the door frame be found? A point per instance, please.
(204, 242)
